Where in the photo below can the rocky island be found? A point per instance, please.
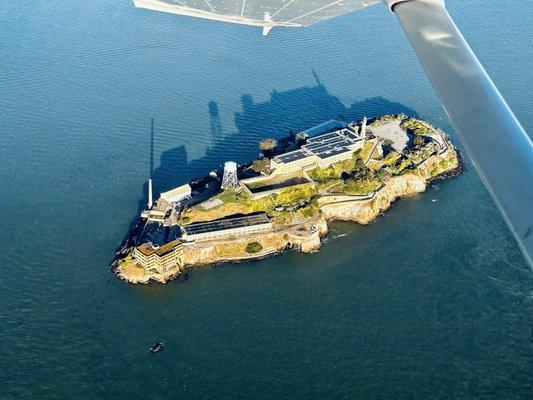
(285, 198)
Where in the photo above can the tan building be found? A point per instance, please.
(320, 151)
(227, 228)
(154, 215)
(159, 259)
(292, 161)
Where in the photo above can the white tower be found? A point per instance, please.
(150, 196)
(229, 180)
(363, 127)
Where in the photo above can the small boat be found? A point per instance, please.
(156, 348)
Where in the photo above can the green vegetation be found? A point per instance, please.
(399, 168)
(361, 182)
(419, 141)
(392, 158)
(308, 212)
(240, 203)
(358, 186)
(336, 170)
(420, 155)
(367, 149)
(261, 165)
(233, 203)
(253, 247)
(394, 161)
(418, 127)
(324, 174)
(126, 261)
(446, 164)
(296, 195)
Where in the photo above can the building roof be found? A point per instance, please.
(323, 146)
(323, 138)
(332, 151)
(291, 156)
(180, 190)
(225, 224)
(149, 249)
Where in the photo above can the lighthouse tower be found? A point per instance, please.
(150, 194)
(229, 180)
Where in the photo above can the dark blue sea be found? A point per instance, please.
(432, 301)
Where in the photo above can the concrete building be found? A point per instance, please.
(159, 259)
(320, 151)
(178, 194)
(227, 228)
(153, 215)
(292, 161)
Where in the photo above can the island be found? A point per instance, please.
(285, 198)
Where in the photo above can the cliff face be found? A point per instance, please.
(408, 184)
(364, 212)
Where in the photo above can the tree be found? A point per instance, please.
(261, 165)
(419, 141)
(253, 247)
(267, 146)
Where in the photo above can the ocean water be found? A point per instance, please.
(433, 300)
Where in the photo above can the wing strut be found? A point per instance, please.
(498, 145)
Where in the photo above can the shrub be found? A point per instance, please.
(392, 158)
(261, 165)
(419, 141)
(295, 195)
(402, 166)
(309, 211)
(253, 247)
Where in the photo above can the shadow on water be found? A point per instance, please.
(284, 112)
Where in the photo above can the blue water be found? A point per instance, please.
(434, 300)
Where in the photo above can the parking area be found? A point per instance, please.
(392, 132)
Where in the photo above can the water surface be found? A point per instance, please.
(433, 300)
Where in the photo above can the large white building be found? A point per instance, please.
(320, 151)
(227, 228)
(178, 194)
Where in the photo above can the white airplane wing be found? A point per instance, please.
(263, 13)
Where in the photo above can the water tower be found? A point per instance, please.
(229, 180)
